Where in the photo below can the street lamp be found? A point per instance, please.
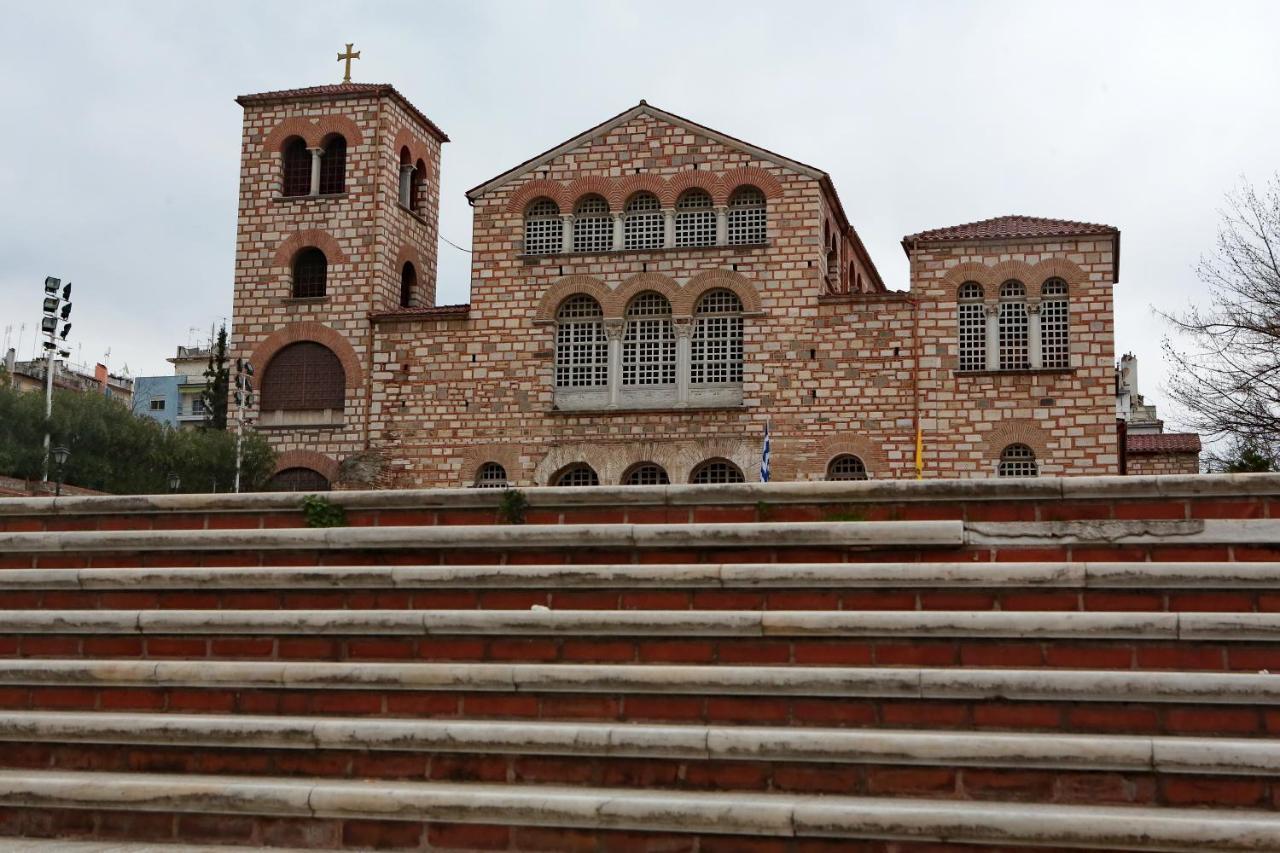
(60, 454)
(174, 481)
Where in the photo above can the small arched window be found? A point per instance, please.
(306, 375)
(646, 474)
(408, 284)
(543, 231)
(748, 217)
(695, 219)
(592, 225)
(297, 168)
(716, 471)
(649, 342)
(582, 350)
(580, 474)
(1014, 327)
(716, 347)
(298, 480)
(846, 467)
(642, 222)
(1018, 460)
(415, 185)
(310, 274)
(491, 475)
(333, 166)
(971, 317)
(1055, 346)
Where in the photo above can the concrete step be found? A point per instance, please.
(683, 812)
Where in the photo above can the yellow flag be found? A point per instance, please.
(919, 453)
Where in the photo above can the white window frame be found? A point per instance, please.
(748, 217)
(1014, 323)
(643, 223)
(695, 220)
(543, 228)
(971, 327)
(1055, 325)
(592, 225)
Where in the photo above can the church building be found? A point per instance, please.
(647, 297)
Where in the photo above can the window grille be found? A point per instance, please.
(716, 471)
(646, 474)
(972, 327)
(649, 343)
(297, 169)
(578, 475)
(695, 220)
(157, 405)
(305, 375)
(408, 283)
(592, 225)
(333, 166)
(491, 476)
(1018, 460)
(716, 348)
(747, 217)
(582, 350)
(543, 231)
(1055, 348)
(642, 223)
(1015, 348)
(310, 271)
(298, 480)
(846, 467)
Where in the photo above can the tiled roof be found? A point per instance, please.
(1011, 227)
(343, 90)
(425, 311)
(1163, 442)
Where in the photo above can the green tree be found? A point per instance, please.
(217, 380)
(1246, 456)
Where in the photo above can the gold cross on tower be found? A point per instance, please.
(347, 57)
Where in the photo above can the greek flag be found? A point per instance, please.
(764, 457)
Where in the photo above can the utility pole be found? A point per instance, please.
(49, 325)
(244, 400)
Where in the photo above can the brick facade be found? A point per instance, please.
(832, 360)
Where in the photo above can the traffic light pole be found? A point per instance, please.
(49, 366)
(244, 399)
(49, 324)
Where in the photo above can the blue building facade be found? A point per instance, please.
(158, 398)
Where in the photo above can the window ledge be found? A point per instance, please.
(411, 212)
(304, 300)
(634, 410)
(290, 199)
(1035, 371)
(660, 250)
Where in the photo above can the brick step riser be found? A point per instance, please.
(1144, 718)
(1121, 654)
(905, 780)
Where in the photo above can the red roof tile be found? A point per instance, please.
(425, 311)
(337, 91)
(1163, 442)
(1011, 227)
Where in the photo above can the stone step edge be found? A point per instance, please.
(804, 534)
(58, 845)
(794, 680)
(1058, 575)
(584, 624)
(772, 815)
(1134, 753)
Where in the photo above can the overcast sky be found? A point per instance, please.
(120, 147)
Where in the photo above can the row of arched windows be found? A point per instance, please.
(314, 171)
(643, 224)
(310, 274)
(1014, 332)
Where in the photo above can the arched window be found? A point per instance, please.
(642, 225)
(1015, 348)
(1055, 347)
(408, 284)
(971, 317)
(310, 274)
(580, 474)
(543, 232)
(649, 343)
(695, 219)
(748, 217)
(646, 474)
(297, 168)
(716, 471)
(305, 375)
(582, 350)
(333, 166)
(716, 348)
(1018, 460)
(592, 225)
(298, 480)
(846, 467)
(491, 475)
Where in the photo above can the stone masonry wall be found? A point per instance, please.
(1163, 463)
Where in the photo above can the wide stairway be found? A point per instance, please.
(795, 668)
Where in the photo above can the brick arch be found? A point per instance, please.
(418, 150)
(545, 312)
(505, 454)
(292, 333)
(625, 188)
(542, 187)
(313, 130)
(1018, 431)
(599, 456)
(743, 453)
(713, 279)
(870, 452)
(971, 271)
(590, 185)
(322, 240)
(749, 176)
(1005, 270)
(317, 462)
(1057, 268)
(658, 283)
(682, 181)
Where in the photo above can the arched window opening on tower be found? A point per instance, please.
(649, 344)
(333, 166)
(716, 349)
(1055, 349)
(416, 184)
(304, 383)
(642, 222)
(1014, 327)
(543, 229)
(298, 479)
(695, 219)
(1018, 460)
(310, 274)
(715, 471)
(408, 284)
(646, 474)
(578, 474)
(491, 475)
(592, 225)
(846, 466)
(971, 317)
(296, 180)
(748, 217)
